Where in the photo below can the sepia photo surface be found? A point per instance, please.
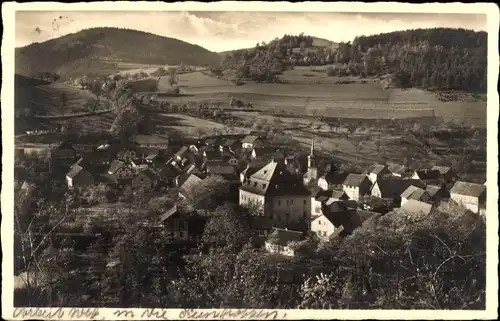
(249, 161)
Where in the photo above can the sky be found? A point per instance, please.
(224, 30)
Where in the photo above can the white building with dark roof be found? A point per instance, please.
(281, 196)
(356, 185)
(79, 176)
(378, 171)
(279, 241)
(469, 195)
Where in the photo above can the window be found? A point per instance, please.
(305, 214)
(279, 202)
(305, 202)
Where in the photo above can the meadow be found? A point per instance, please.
(46, 100)
(365, 98)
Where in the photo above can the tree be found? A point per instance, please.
(172, 76)
(95, 194)
(228, 227)
(92, 104)
(211, 192)
(126, 123)
(33, 230)
(64, 102)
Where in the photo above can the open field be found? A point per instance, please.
(47, 99)
(317, 75)
(356, 100)
(190, 126)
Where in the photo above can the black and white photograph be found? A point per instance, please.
(270, 163)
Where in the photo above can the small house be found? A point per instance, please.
(378, 171)
(414, 193)
(428, 176)
(268, 153)
(436, 193)
(232, 145)
(212, 142)
(228, 172)
(176, 224)
(146, 179)
(415, 207)
(191, 182)
(469, 195)
(279, 241)
(251, 141)
(356, 185)
(448, 174)
(398, 170)
(391, 189)
(341, 223)
(79, 176)
(64, 153)
(120, 170)
(332, 180)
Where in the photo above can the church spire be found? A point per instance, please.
(310, 158)
(312, 147)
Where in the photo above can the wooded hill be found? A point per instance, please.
(98, 50)
(440, 58)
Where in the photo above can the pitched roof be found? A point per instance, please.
(115, 166)
(149, 174)
(283, 237)
(191, 181)
(171, 211)
(337, 194)
(219, 169)
(414, 206)
(74, 170)
(426, 174)
(469, 189)
(413, 192)
(182, 151)
(230, 142)
(322, 196)
(267, 150)
(442, 169)
(274, 179)
(394, 187)
(355, 179)
(376, 169)
(335, 177)
(212, 141)
(432, 190)
(397, 168)
(250, 139)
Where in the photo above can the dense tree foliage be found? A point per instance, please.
(429, 58)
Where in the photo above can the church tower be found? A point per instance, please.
(312, 170)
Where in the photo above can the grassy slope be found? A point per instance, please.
(98, 50)
(43, 98)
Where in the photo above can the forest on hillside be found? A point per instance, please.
(439, 59)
